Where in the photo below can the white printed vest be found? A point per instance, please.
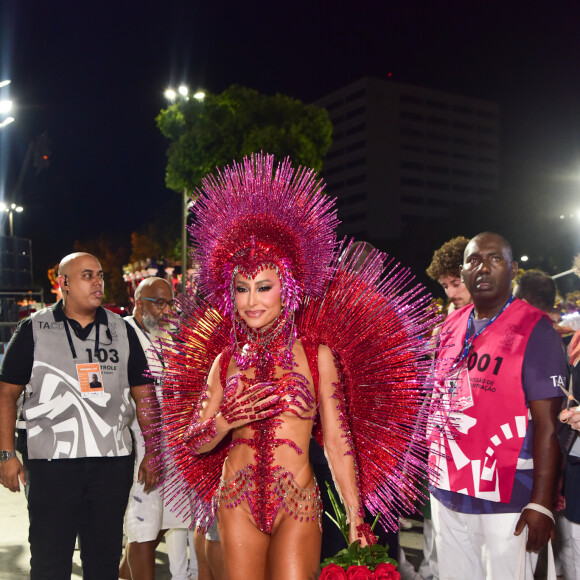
(60, 422)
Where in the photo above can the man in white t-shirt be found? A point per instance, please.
(147, 518)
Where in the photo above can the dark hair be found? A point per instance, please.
(448, 258)
(537, 288)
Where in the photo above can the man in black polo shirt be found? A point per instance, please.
(79, 447)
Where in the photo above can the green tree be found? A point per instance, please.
(213, 132)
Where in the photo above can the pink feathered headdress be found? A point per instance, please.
(250, 217)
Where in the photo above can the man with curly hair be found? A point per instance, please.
(444, 268)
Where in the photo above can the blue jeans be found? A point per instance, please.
(86, 496)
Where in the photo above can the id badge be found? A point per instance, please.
(458, 389)
(90, 380)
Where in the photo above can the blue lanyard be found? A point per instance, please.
(71, 343)
(467, 343)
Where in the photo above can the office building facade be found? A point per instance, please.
(405, 155)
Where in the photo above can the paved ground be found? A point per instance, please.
(15, 554)
(14, 551)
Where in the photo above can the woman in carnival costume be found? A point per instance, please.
(285, 341)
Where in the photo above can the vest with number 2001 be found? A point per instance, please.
(480, 421)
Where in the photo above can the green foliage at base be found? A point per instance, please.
(355, 554)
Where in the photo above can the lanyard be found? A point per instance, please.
(70, 340)
(467, 342)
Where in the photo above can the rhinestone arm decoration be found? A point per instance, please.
(364, 531)
(338, 442)
(348, 446)
(198, 434)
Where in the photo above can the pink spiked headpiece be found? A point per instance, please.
(250, 217)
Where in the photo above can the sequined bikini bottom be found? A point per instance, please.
(302, 504)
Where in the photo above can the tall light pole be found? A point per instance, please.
(172, 95)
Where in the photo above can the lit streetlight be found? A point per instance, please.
(5, 106)
(172, 95)
(10, 209)
(4, 83)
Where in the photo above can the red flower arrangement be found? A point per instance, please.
(383, 571)
(355, 562)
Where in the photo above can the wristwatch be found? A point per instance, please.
(6, 455)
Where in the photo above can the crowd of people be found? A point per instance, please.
(209, 420)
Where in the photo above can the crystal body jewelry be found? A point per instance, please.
(265, 485)
(303, 504)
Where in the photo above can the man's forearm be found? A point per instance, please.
(8, 397)
(543, 488)
(546, 451)
(148, 414)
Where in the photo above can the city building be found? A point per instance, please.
(403, 155)
(17, 297)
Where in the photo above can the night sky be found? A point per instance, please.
(92, 74)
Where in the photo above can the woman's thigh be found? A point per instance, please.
(294, 550)
(244, 546)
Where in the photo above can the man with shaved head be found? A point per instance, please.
(494, 455)
(80, 464)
